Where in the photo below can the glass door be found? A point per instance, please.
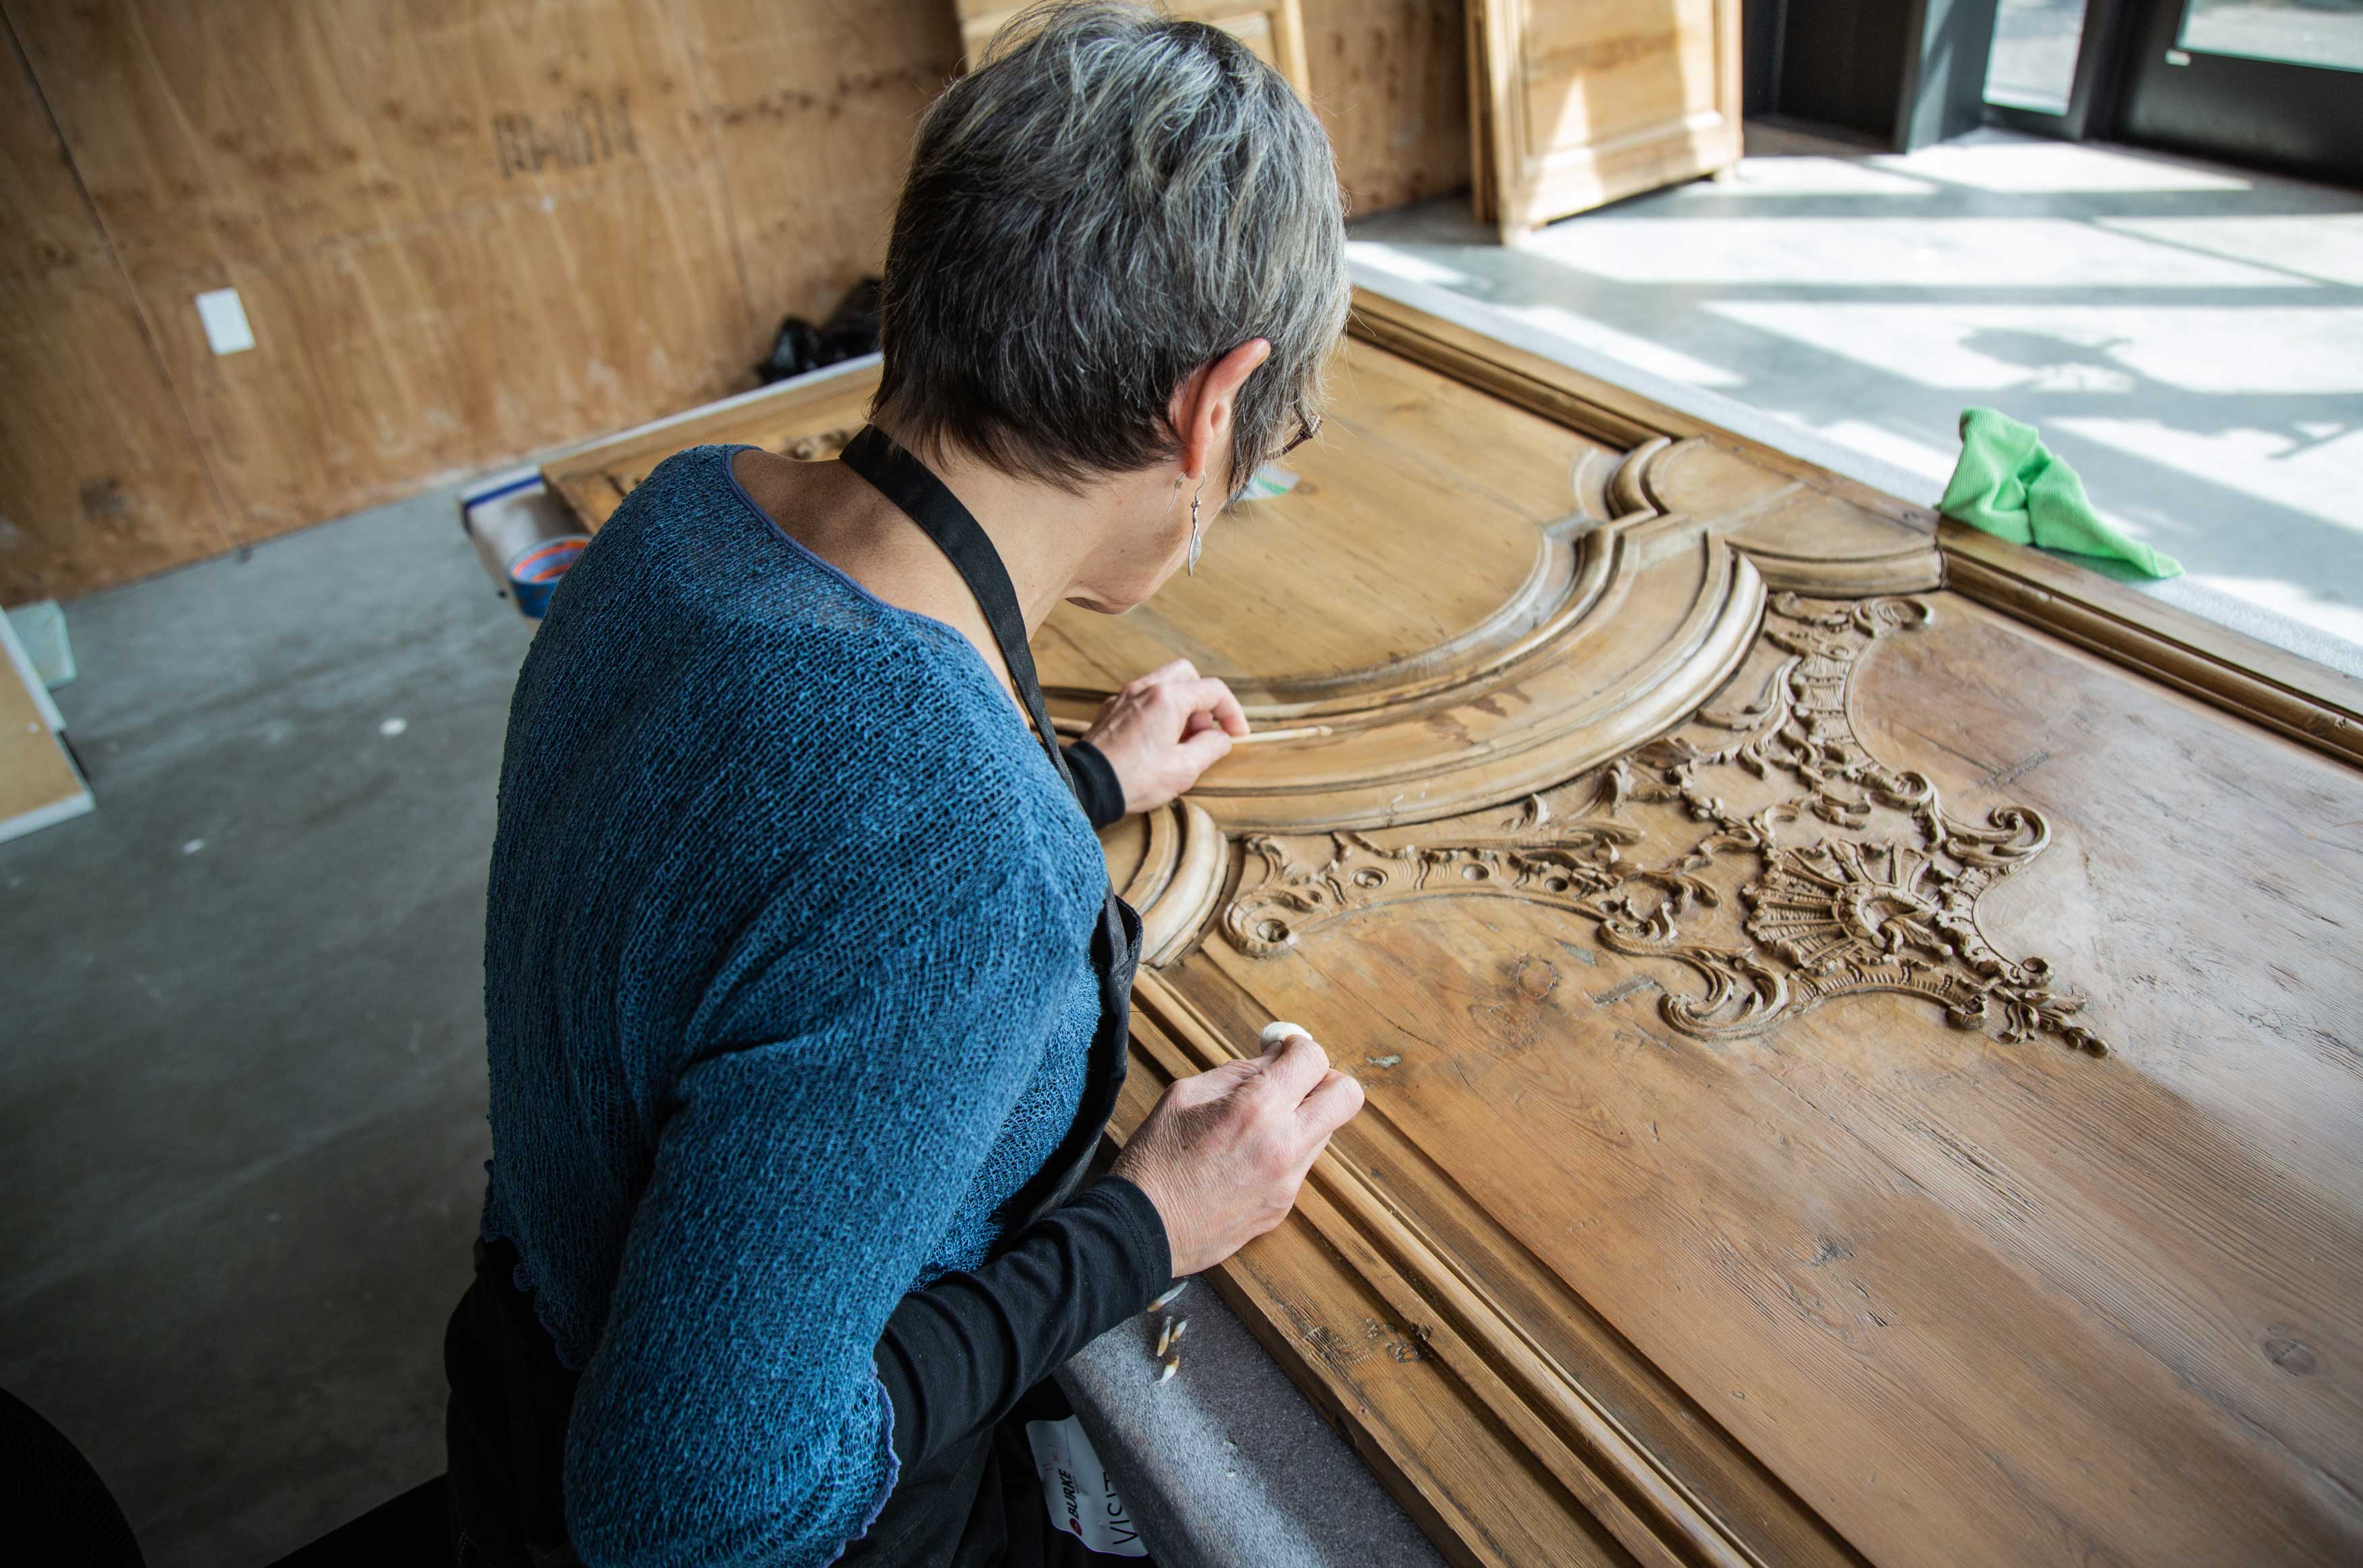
(2035, 46)
(2050, 69)
(2272, 82)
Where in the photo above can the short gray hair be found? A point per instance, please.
(1110, 201)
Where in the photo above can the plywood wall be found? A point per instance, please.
(466, 229)
(99, 478)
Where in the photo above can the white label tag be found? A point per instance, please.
(1081, 1498)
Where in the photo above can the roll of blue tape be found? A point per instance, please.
(533, 576)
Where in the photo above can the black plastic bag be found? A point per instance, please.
(852, 331)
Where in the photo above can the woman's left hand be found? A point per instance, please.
(1163, 730)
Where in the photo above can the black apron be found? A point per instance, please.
(976, 1505)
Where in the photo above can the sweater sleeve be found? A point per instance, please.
(731, 1412)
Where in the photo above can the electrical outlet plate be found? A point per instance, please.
(225, 321)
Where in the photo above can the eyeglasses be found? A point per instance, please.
(1307, 429)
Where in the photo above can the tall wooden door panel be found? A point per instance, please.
(1273, 30)
(1574, 103)
(1854, 1076)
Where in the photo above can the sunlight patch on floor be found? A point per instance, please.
(2288, 598)
(2128, 349)
(2327, 247)
(2323, 477)
(2055, 168)
(1931, 251)
(1656, 358)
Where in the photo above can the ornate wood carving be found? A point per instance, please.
(1866, 903)
(1639, 1254)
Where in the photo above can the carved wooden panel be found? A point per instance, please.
(1575, 104)
(1860, 1026)
(1273, 30)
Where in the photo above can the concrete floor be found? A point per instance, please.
(241, 1105)
(2189, 336)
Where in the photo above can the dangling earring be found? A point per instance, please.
(1193, 532)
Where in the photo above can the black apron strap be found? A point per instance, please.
(1115, 946)
(928, 502)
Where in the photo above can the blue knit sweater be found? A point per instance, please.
(788, 987)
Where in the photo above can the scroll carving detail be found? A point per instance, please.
(1855, 908)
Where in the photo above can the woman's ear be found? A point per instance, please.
(1201, 407)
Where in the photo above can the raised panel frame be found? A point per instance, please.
(1525, 176)
(1518, 1424)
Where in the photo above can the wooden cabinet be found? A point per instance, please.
(1863, 1024)
(1275, 29)
(1574, 103)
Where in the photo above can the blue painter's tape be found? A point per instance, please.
(534, 574)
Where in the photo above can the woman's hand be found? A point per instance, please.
(1163, 730)
(1223, 1154)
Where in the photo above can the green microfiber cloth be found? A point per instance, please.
(2009, 484)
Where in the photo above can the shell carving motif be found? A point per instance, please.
(1881, 896)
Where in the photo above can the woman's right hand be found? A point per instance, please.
(1223, 1154)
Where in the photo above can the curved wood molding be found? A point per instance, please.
(1543, 597)
(1442, 1308)
(2285, 692)
(1670, 619)
(1179, 879)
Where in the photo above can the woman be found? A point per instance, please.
(805, 987)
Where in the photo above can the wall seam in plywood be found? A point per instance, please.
(692, 45)
(147, 337)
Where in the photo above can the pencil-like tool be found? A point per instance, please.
(1301, 732)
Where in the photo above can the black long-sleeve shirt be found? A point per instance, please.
(956, 1355)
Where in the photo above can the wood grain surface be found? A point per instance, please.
(100, 478)
(1390, 81)
(1967, 1300)
(1860, 1070)
(1582, 103)
(1273, 29)
(35, 776)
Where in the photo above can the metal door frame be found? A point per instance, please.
(2303, 119)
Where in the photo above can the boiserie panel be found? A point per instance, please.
(1578, 103)
(1387, 77)
(1273, 30)
(1390, 81)
(1859, 1020)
